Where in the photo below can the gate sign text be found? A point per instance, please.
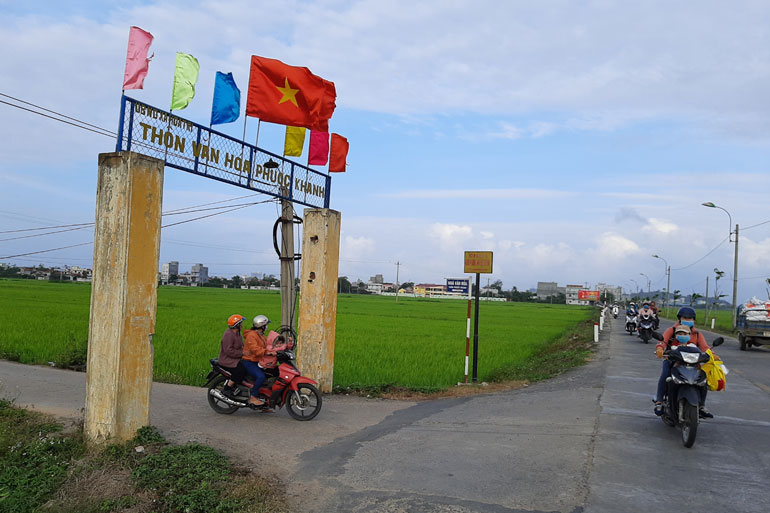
(200, 150)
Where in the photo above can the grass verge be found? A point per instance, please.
(44, 469)
(572, 349)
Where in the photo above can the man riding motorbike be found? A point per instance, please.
(682, 333)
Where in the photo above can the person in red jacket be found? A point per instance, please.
(230, 353)
(681, 333)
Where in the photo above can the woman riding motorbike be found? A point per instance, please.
(681, 333)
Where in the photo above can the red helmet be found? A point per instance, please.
(234, 321)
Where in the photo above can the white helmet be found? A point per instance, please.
(261, 321)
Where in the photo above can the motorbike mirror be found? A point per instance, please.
(718, 341)
(657, 336)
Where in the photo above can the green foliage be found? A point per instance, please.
(34, 459)
(187, 478)
(416, 343)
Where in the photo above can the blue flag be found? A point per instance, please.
(227, 100)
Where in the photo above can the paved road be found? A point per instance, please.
(586, 441)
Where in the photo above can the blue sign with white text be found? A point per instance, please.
(457, 285)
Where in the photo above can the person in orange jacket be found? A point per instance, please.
(681, 333)
(255, 349)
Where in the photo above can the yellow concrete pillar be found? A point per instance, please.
(123, 295)
(318, 295)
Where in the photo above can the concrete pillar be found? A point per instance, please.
(123, 295)
(318, 295)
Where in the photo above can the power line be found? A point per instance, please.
(47, 228)
(57, 113)
(703, 257)
(111, 135)
(755, 225)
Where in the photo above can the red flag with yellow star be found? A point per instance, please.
(289, 95)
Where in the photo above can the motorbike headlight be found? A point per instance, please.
(677, 380)
(690, 357)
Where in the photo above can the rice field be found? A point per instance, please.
(413, 342)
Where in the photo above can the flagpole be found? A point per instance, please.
(259, 124)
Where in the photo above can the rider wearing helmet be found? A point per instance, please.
(254, 350)
(645, 310)
(683, 332)
(631, 310)
(230, 352)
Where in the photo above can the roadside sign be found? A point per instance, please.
(458, 285)
(589, 295)
(478, 262)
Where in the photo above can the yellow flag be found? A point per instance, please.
(295, 140)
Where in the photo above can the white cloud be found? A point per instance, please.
(353, 248)
(451, 237)
(659, 227)
(611, 246)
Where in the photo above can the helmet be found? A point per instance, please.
(261, 321)
(687, 312)
(234, 321)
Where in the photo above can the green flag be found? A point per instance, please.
(185, 77)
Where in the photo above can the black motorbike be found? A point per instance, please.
(646, 327)
(684, 389)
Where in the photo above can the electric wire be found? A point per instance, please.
(113, 136)
(703, 257)
(54, 112)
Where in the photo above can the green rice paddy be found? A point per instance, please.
(415, 342)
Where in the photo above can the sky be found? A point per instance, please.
(574, 139)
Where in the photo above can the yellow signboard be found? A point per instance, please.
(478, 262)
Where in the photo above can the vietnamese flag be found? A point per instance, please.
(289, 95)
(338, 154)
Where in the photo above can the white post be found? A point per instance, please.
(596, 332)
(713, 319)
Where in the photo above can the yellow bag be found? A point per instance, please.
(715, 372)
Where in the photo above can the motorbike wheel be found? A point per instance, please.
(690, 424)
(217, 405)
(742, 342)
(307, 406)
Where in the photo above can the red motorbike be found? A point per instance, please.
(283, 385)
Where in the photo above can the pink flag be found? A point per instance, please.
(137, 63)
(318, 152)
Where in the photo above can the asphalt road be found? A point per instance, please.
(586, 441)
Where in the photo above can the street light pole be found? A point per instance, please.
(668, 281)
(648, 284)
(735, 264)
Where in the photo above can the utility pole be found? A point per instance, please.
(735, 278)
(668, 285)
(287, 264)
(398, 265)
(705, 321)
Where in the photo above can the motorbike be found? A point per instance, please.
(615, 312)
(284, 385)
(646, 327)
(684, 388)
(630, 324)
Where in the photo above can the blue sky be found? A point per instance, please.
(573, 138)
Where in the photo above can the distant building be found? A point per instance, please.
(546, 289)
(429, 289)
(571, 292)
(169, 269)
(604, 288)
(377, 279)
(200, 274)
